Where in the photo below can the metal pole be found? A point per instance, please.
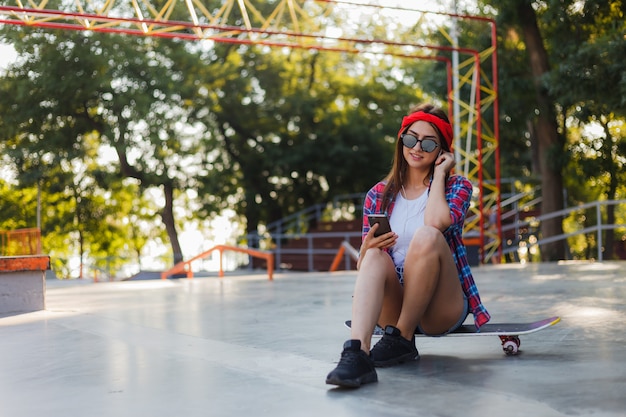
(456, 109)
(39, 205)
(310, 252)
(599, 221)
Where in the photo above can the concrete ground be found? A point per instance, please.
(246, 346)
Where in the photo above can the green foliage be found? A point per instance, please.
(18, 208)
(297, 129)
(104, 123)
(264, 132)
(585, 43)
(80, 93)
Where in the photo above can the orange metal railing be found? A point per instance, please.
(185, 266)
(20, 242)
(345, 246)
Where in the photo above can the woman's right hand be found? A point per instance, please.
(371, 242)
(383, 241)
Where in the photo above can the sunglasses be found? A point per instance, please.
(427, 145)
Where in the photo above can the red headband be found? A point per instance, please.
(444, 127)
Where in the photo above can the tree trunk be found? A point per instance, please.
(534, 148)
(167, 215)
(168, 220)
(252, 219)
(81, 250)
(548, 140)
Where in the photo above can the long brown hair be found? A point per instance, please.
(397, 175)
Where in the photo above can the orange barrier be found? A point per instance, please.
(20, 242)
(24, 263)
(471, 241)
(345, 246)
(185, 266)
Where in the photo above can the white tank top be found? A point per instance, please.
(407, 216)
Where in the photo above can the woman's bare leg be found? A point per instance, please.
(377, 296)
(433, 296)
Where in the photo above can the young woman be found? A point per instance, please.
(417, 276)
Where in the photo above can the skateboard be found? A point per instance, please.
(508, 333)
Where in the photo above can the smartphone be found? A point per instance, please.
(383, 223)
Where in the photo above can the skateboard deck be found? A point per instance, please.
(507, 332)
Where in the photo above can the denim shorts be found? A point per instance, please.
(400, 274)
(458, 324)
(464, 314)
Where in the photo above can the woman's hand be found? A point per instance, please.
(384, 241)
(437, 213)
(444, 162)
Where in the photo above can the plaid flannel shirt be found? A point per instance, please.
(458, 194)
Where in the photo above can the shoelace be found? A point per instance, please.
(389, 343)
(348, 357)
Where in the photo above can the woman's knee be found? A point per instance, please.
(425, 239)
(378, 262)
(375, 255)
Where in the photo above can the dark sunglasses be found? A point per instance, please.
(427, 145)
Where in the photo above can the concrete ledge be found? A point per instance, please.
(23, 283)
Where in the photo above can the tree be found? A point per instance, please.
(125, 93)
(266, 132)
(298, 128)
(575, 51)
(589, 83)
(550, 143)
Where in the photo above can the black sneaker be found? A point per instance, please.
(354, 368)
(393, 349)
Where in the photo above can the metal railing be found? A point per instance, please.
(20, 242)
(344, 249)
(298, 222)
(534, 240)
(523, 240)
(310, 251)
(185, 267)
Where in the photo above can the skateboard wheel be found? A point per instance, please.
(510, 348)
(510, 345)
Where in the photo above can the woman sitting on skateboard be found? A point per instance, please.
(417, 276)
